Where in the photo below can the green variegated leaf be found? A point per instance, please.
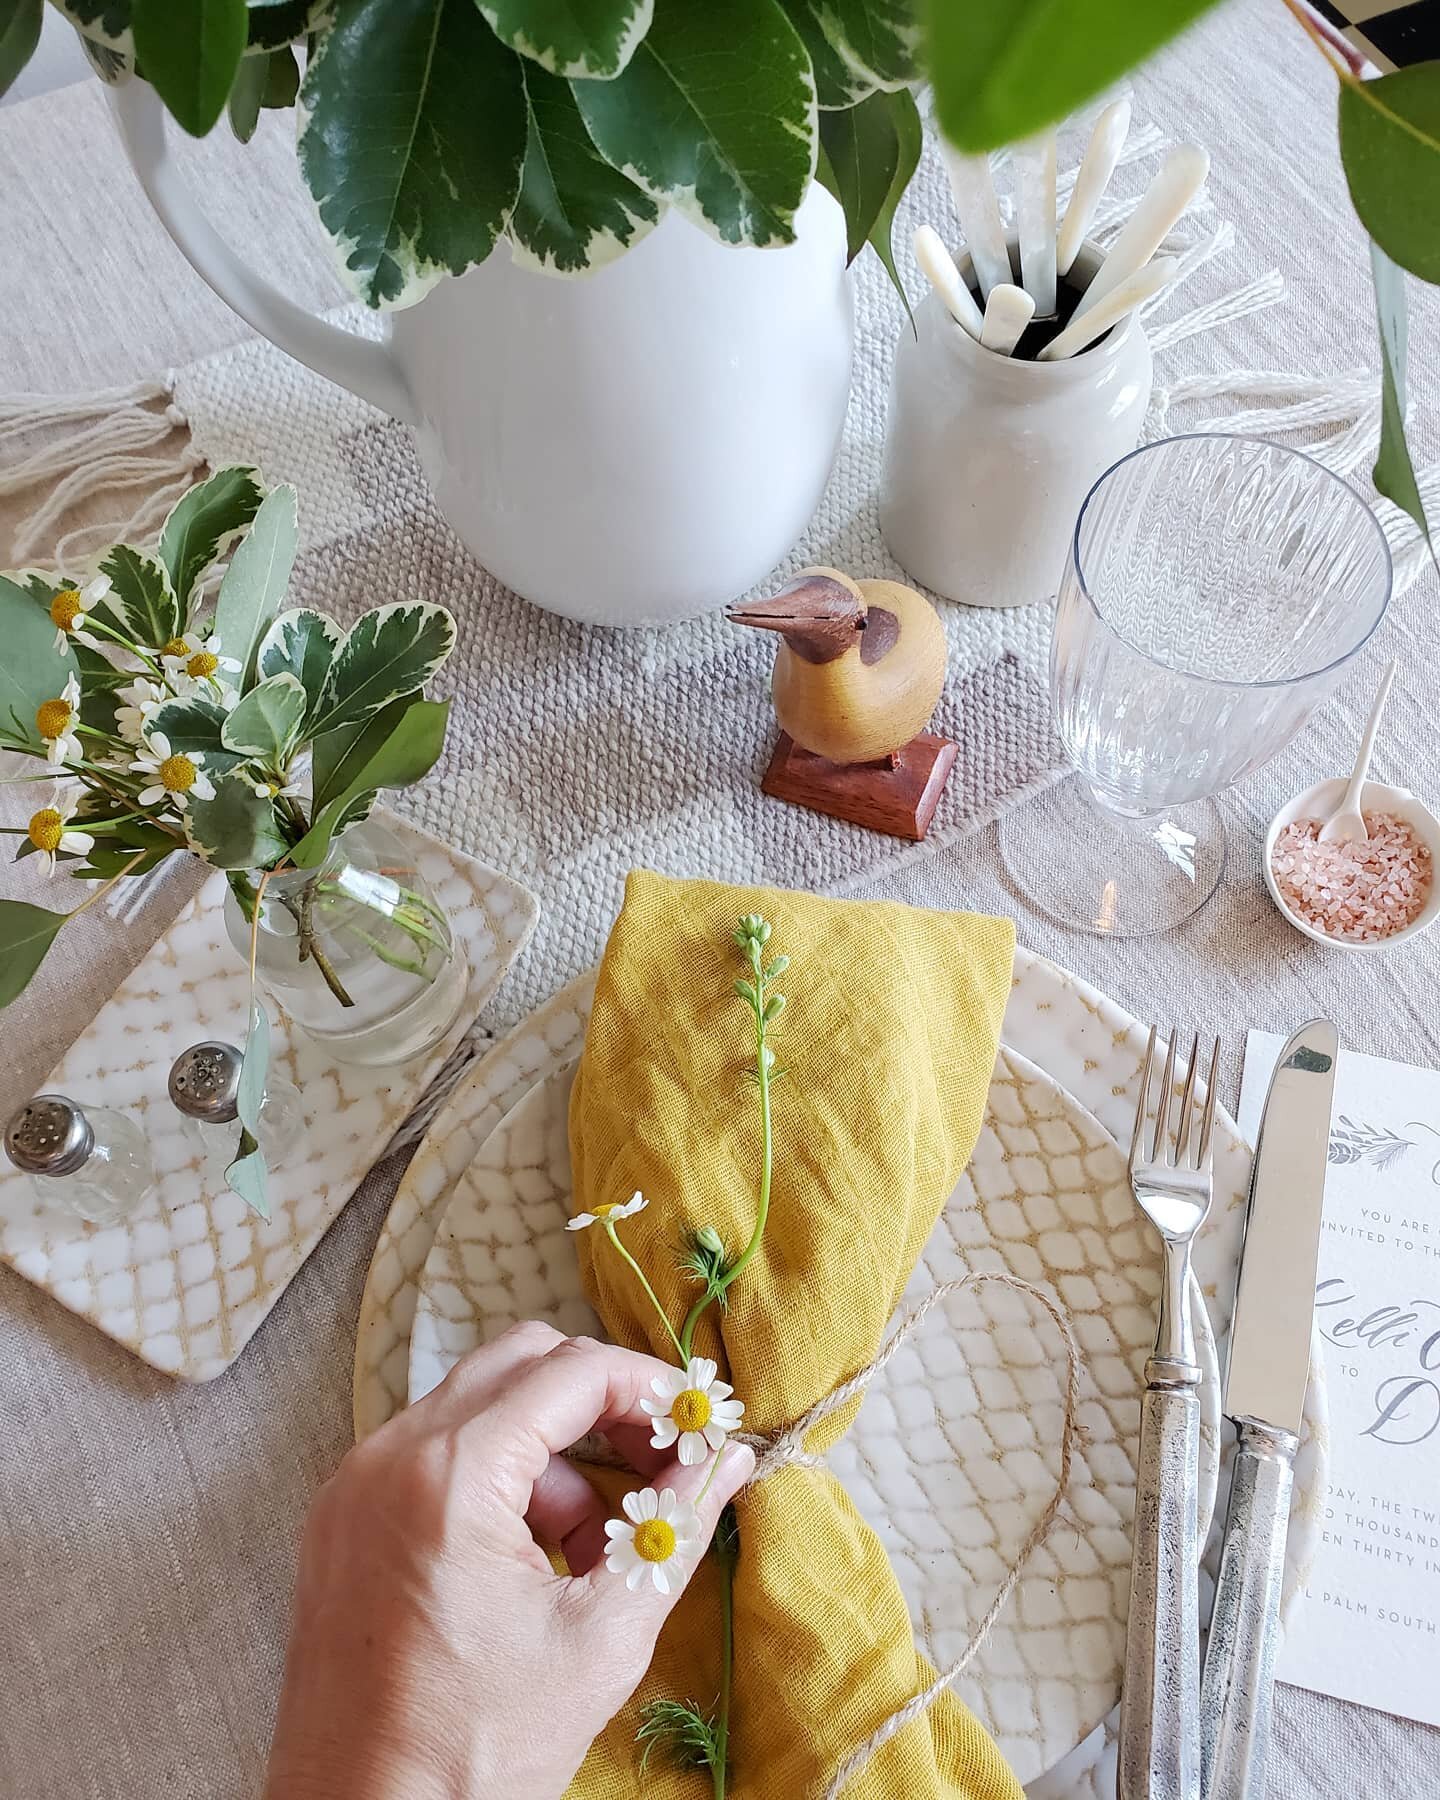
(32, 668)
(112, 66)
(202, 525)
(247, 95)
(337, 757)
(571, 37)
(142, 603)
(880, 39)
(195, 727)
(1394, 473)
(26, 933)
(246, 1175)
(253, 587)
(273, 23)
(266, 723)
(837, 82)
(714, 112)
(237, 829)
(412, 141)
(19, 34)
(574, 212)
(104, 22)
(190, 53)
(409, 752)
(388, 653)
(301, 643)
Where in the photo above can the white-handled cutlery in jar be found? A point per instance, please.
(1080, 333)
(1035, 217)
(1102, 153)
(1179, 179)
(938, 267)
(974, 195)
(1007, 312)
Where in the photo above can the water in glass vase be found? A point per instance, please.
(358, 952)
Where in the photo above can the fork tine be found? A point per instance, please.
(1161, 1147)
(1185, 1129)
(1142, 1104)
(1207, 1122)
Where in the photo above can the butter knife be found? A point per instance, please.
(1266, 1373)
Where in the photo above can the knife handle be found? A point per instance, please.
(1240, 1658)
(1159, 1704)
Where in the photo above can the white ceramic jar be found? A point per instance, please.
(988, 458)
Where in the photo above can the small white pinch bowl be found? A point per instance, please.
(1318, 803)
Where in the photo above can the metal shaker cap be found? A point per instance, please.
(205, 1082)
(49, 1135)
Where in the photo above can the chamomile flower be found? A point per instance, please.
(55, 720)
(177, 778)
(198, 658)
(49, 831)
(693, 1407)
(659, 1539)
(70, 612)
(142, 698)
(608, 1212)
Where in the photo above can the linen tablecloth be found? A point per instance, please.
(147, 1530)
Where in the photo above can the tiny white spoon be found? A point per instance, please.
(1346, 825)
(1035, 218)
(937, 265)
(1116, 304)
(1007, 312)
(979, 211)
(1174, 187)
(1102, 153)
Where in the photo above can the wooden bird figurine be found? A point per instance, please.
(859, 670)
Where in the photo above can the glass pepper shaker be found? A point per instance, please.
(90, 1160)
(205, 1087)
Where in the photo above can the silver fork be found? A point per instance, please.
(1160, 1702)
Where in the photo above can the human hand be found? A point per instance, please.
(435, 1654)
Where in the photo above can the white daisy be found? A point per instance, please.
(608, 1212)
(693, 1407)
(56, 720)
(179, 779)
(659, 1537)
(48, 830)
(197, 658)
(70, 612)
(141, 699)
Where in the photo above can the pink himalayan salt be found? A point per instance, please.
(1357, 892)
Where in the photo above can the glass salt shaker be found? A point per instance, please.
(90, 1160)
(205, 1087)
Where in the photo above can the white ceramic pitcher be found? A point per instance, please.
(628, 448)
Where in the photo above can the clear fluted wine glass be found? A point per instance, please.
(1217, 590)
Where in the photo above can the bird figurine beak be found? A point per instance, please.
(819, 616)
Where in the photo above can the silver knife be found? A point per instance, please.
(1266, 1373)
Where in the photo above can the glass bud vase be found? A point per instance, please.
(358, 951)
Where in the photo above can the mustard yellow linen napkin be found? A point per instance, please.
(888, 1043)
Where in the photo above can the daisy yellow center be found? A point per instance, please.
(175, 647)
(654, 1541)
(66, 608)
(606, 1207)
(177, 774)
(46, 830)
(202, 665)
(691, 1410)
(53, 718)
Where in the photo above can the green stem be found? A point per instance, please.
(614, 1238)
(118, 637)
(310, 946)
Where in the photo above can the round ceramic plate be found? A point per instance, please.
(956, 1449)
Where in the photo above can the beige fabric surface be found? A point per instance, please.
(147, 1531)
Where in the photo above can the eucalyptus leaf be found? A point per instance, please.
(19, 34)
(253, 586)
(1390, 146)
(301, 643)
(204, 522)
(387, 653)
(237, 829)
(246, 1175)
(1394, 473)
(409, 752)
(412, 140)
(247, 95)
(574, 211)
(1000, 72)
(337, 757)
(571, 37)
(195, 726)
(266, 723)
(862, 149)
(190, 54)
(32, 669)
(878, 38)
(715, 112)
(26, 933)
(142, 604)
(838, 83)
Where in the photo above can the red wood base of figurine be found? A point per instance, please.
(897, 795)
